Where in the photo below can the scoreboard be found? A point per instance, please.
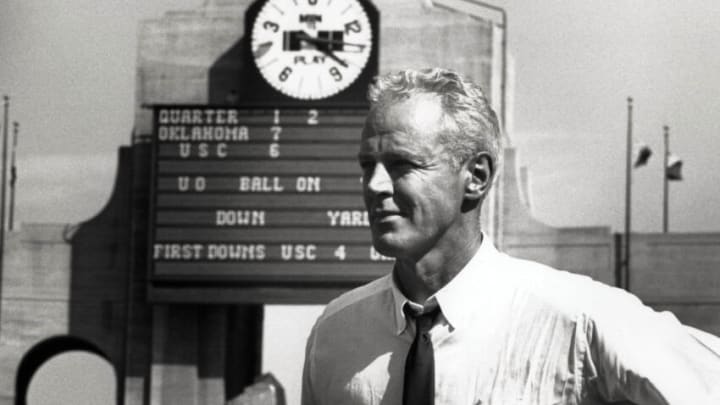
(257, 204)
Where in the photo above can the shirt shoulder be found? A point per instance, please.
(575, 294)
(372, 298)
(350, 346)
(626, 350)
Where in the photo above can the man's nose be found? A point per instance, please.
(379, 181)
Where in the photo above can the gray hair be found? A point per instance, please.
(471, 125)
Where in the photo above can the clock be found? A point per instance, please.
(312, 49)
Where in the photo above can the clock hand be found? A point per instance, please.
(307, 38)
(334, 42)
(334, 57)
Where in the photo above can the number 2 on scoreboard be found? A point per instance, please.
(312, 117)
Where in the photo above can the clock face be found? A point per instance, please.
(311, 49)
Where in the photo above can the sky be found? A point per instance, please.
(69, 68)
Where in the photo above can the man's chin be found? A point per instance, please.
(388, 246)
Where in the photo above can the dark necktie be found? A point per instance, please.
(419, 384)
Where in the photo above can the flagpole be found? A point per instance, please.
(666, 135)
(13, 176)
(628, 196)
(6, 100)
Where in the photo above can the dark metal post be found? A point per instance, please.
(6, 100)
(666, 134)
(13, 176)
(628, 195)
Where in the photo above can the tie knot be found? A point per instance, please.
(423, 320)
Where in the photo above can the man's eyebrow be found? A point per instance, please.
(399, 154)
(414, 153)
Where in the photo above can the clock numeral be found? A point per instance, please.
(269, 25)
(335, 73)
(285, 73)
(313, 117)
(312, 2)
(353, 26)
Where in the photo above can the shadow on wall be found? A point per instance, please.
(103, 288)
(225, 76)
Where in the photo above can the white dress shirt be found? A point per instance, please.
(511, 332)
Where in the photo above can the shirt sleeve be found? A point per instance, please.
(648, 358)
(308, 396)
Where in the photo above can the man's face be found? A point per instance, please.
(412, 193)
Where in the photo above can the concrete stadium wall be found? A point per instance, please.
(587, 250)
(679, 273)
(35, 296)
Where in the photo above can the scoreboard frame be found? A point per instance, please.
(287, 250)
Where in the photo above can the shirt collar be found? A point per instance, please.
(455, 297)
(399, 301)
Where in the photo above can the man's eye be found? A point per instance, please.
(402, 165)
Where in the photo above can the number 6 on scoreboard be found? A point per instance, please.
(340, 252)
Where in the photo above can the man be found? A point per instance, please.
(457, 322)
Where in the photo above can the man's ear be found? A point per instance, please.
(481, 170)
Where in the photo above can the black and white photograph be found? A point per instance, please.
(359, 202)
